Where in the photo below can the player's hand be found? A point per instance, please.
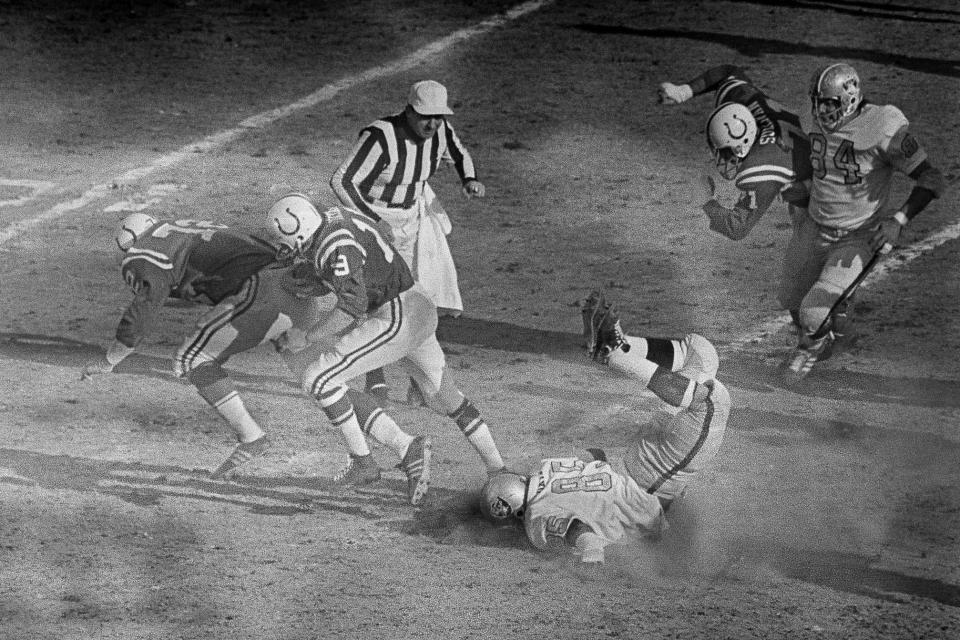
(714, 209)
(95, 368)
(673, 93)
(293, 340)
(474, 189)
(886, 236)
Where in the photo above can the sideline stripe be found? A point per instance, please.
(267, 117)
(894, 261)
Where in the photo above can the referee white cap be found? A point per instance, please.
(429, 98)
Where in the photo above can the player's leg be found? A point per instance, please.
(802, 263)
(610, 347)
(404, 226)
(233, 326)
(384, 337)
(674, 449)
(844, 262)
(427, 366)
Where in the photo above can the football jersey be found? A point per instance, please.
(194, 260)
(390, 164)
(568, 489)
(853, 166)
(349, 258)
(780, 156)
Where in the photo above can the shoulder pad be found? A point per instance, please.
(892, 120)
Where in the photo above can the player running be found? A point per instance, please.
(208, 264)
(854, 152)
(589, 504)
(381, 316)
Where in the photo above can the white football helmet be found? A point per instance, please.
(292, 221)
(504, 496)
(731, 132)
(835, 95)
(131, 228)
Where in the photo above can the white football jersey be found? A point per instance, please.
(853, 166)
(568, 489)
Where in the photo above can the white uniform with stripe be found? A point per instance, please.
(673, 447)
(568, 489)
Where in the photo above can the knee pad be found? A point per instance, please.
(702, 361)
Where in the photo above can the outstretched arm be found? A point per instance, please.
(709, 80)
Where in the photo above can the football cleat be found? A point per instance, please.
(242, 454)
(602, 328)
(803, 358)
(360, 471)
(416, 464)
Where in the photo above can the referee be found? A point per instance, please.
(385, 178)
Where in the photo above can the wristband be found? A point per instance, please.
(901, 218)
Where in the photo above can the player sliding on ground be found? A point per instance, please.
(589, 504)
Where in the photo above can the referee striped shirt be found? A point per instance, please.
(390, 164)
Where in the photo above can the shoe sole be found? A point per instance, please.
(423, 482)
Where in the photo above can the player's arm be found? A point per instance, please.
(341, 269)
(136, 322)
(463, 163)
(909, 157)
(707, 81)
(589, 546)
(365, 162)
(736, 223)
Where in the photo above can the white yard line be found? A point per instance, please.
(893, 262)
(261, 120)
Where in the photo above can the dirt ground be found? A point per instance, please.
(833, 510)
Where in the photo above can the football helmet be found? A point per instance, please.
(131, 228)
(292, 221)
(504, 496)
(835, 95)
(731, 132)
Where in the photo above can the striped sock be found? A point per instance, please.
(477, 432)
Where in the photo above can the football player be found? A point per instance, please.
(854, 151)
(589, 504)
(380, 316)
(755, 141)
(212, 265)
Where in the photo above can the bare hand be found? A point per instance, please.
(474, 189)
(670, 93)
(886, 236)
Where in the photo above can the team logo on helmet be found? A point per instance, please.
(731, 133)
(293, 220)
(835, 95)
(504, 496)
(131, 228)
